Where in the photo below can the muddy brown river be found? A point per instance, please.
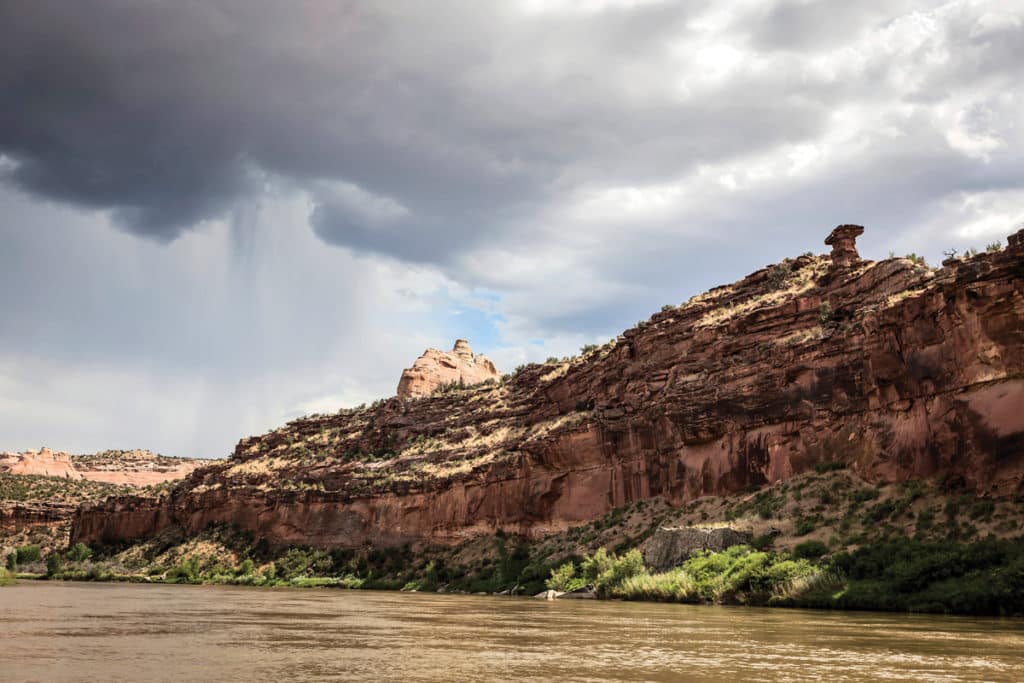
(94, 632)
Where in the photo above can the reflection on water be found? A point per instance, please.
(89, 632)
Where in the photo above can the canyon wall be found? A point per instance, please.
(894, 369)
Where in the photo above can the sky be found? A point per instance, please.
(218, 215)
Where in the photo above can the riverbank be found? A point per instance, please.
(982, 578)
(824, 539)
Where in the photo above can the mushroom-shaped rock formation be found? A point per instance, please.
(843, 241)
(439, 368)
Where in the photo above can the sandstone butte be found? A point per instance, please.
(436, 370)
(895, 369)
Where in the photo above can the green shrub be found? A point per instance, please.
(982, 509)
(829, 466)
(79, 552)
(306, 562)
(779, 274)
(672, 586)
(742, 575)
(825, 313)
(28, 553)
(12, 562)
(810, 550)
(186, 571)
(864, 495)
(804, 526)
(54, 564)
(563, 578)
(596, 565)
(629, 565)
(985, 577)
(879, 512)
(606, 572)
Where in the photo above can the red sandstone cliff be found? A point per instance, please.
(898, 370)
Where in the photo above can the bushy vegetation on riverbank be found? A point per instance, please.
(225, 556)
(739, 575)
(984, 578)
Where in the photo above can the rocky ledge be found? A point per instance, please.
(890, 368)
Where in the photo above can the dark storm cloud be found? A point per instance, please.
(464, 134)
(166, 113)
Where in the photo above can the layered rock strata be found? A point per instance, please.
(892, 368)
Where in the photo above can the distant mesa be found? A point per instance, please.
(129, 468)
(435, 369)
(42, 462)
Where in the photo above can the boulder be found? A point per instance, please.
(671, 546)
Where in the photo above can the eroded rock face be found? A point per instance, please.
(435, 369)
(913, 373)
(669, 547)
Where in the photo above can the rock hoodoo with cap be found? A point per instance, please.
(843, 241)
(437, 368)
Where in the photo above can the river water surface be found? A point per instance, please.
(102, 632)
